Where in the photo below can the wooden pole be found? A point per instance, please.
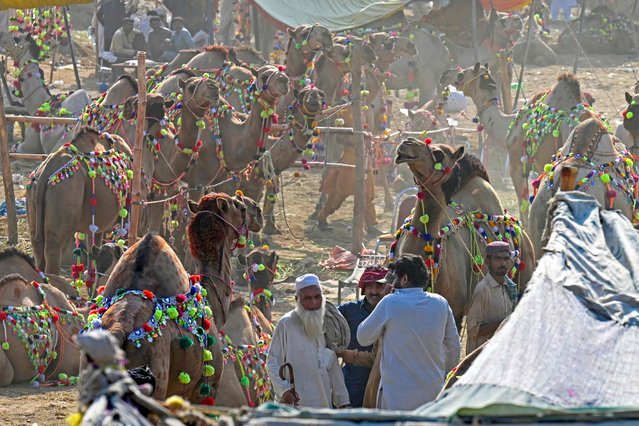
(359, 209)
(75, 65)
(581, 26)
(523, 63)
(7, 179)
(136, 192)
(40, 120)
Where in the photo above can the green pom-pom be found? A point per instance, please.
(184, 378)
(5, 346)
(244, 381)
(207, 355)
(62, 377)
(629, 115)
(92, 174)
(424, 219)
(121, 242)
(200, 124)
(205, 389)
(124, 213)
(555, 133)
(186, 342)
(548, 168)
(524, 126)
(192, 312)
(172, 312)
(479, 260)
(210, 340)
(605, 178)
(208, 370)
(261, 267)
(242, 240)
(157, 314)
(629, 162)
(208, 313)
(438, 166)
(264, 114)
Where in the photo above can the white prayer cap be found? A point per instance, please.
(306, 280)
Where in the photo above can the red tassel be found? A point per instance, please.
(206, 324)
(208, 401)
(147, 327)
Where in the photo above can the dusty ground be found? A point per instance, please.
(302, 247)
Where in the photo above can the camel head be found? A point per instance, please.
(474, 81)
(87, 139)
(310, 39)
(106, 257)
(311, 101)
(353, 46)
(430, 163)
(253, 211)
(420, 120)
(155, 112)
(389, 47)
(199, 94)
(271, 82)
(20, 46)
(503, 30)
(261, 269)
(631, 121)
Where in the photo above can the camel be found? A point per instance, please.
(248, 56)
(37, 98)
(628, 132)
(15, 261)
(230, 143)
(605, 169)
(94, 170)
(456, 214)
(158, 73)
(246, 338)
(212, 57)
(283, 152)
(150, 291)
(28, 309)
(261, 270)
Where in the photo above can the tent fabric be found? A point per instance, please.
(573, 340)
(336, 15)
(505, 5)
(32, 4)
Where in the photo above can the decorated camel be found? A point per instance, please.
(36, 97)
(261, 270)
(38, 323)
(536, 132)
(456, 214)
(83, 186)
(628, 132)
(604, 169)
(168, 320)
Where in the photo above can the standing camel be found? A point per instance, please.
(261, 270)
(165, 319)
(456, 214)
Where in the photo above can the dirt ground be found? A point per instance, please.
(301, 246)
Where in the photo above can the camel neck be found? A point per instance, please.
(217, 279)
(432, 205)
(295, 62)
(494, 120)
(33, 90)
(329, 78)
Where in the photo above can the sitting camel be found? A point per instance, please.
(628, 132)
(28, 310)
(261, 270)
(456, 214)
(92, 171)
(165, 319)
(605, 169)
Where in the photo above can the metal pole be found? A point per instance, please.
(581, 25)
(7, 179)
(75, 65)
(359, 207)
(474, 26)
(523, 63)
(136, 191)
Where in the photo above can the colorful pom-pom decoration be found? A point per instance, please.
(186, 342)
(184, 378)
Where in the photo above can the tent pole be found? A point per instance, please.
(359, 208)
(136, 189)
(581, 25)
(523, 63)
(7, 179)
(75, 65)
(474, 26)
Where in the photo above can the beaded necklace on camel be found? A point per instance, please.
(189, 311)
(502, 227)
(35, 327)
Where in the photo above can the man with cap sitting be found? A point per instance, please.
(494, 297)
(122, 42)
(359, 359)
(420, 343)
(299, 340)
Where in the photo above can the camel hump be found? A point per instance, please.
(12, 278)
(11, 252)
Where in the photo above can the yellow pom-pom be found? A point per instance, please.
(74, 419)
(174, 402)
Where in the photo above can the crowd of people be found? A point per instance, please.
(404, 339)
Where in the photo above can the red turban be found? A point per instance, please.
(371, 274)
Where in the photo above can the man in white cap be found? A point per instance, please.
(299, 340)
(494, 297)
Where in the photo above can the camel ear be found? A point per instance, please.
(459, 154)
(193, 207)
(290, 31)
(273, 259)
(130, 107)
(182, 84)
(411, 113)
(168, 103)
(232, 57)
(296, 93)
(628, 97)
(254, 71)
(95, 250)
(476, 69)
(222, 204)
(241, 258)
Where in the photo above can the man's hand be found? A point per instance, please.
(290, 397)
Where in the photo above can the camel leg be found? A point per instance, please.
(389, 202)
(6, 369)
(56, 233)
(268, 211)
(333, 202)
(519, 182)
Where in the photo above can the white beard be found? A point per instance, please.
(313, 321)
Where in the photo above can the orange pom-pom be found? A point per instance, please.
(148, 294)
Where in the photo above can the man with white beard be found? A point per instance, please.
(299, 340)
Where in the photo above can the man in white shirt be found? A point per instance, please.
(299, 340)
(494, 297)
(420, 343)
